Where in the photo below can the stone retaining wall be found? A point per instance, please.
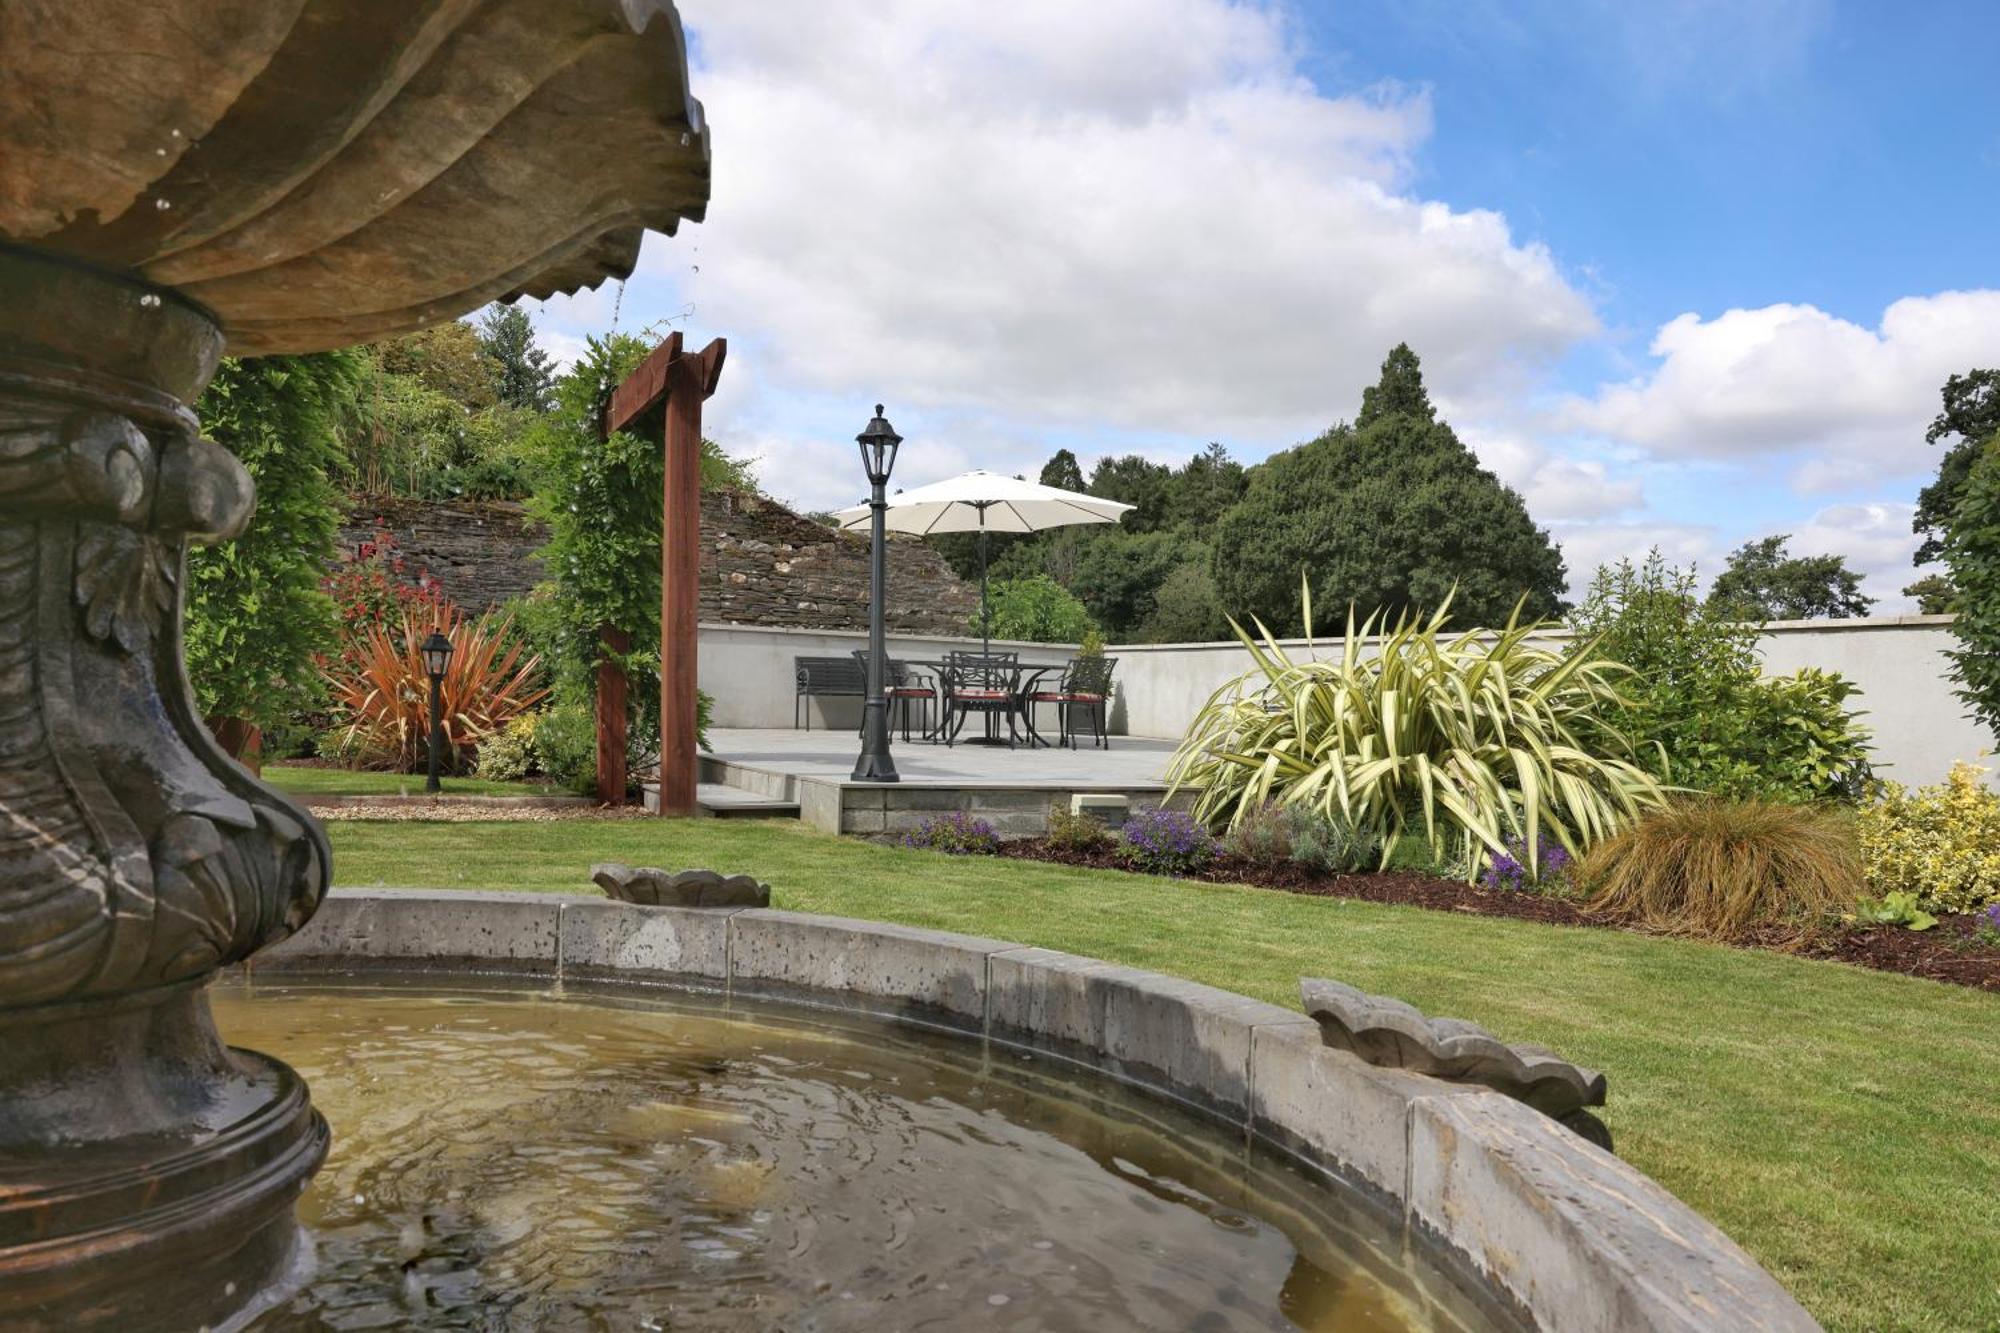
(1569, 1236)
(761, 564)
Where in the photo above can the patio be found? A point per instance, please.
(780, 772)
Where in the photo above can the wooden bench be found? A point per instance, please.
(825, 678)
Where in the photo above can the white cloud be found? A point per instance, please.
(1133, 214)
(1848, 403)
(1878, 544)
(1555, 487)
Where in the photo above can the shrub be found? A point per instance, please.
(1075, 833)
(1986, 928)
(1725, 869)
(1037, 610)
(1261, 835)
(1696, 706)
(955, 834)
(381, 694)
(509, 754)
(1328, 845)
(566, 746)
(1941, 843)
(1166, 842)
(1478, 736)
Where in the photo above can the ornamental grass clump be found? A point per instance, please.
(1941, 843)
(1465, 740)
(1166, 842)
(1726, 870)
(955, 834)
(381, 692)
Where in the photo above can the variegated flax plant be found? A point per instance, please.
(1464, 741)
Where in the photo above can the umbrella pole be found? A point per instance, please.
(985, 610)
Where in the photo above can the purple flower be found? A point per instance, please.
(957, 834)
(1166, 842)
(1509, 869)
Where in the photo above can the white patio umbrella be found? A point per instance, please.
(986, 502)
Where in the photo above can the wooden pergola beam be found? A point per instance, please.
(676, 383)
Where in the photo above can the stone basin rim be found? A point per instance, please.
(1557, 1233)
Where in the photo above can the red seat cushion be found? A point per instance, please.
(979, 694)
(910, 691)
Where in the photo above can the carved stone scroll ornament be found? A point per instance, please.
(1387, 1032)
(135, 858)
(650, 887)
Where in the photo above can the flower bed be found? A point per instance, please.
(1952, 952)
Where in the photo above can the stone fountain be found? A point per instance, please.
(179, 180)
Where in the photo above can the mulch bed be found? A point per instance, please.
(1947, 952)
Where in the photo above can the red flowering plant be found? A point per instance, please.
(372, 590)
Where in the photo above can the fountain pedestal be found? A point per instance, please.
(147, 1172)
(279, 178)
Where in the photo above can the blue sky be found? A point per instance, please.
(1684, 273)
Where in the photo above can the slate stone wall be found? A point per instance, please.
(761, 564)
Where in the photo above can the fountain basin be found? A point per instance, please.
(1545, 1230)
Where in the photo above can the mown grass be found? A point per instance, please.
(1842, 1125)
(311, 780)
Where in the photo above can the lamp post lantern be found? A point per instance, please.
(436, 652)
(878, 457)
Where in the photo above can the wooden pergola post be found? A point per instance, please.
(676, 384)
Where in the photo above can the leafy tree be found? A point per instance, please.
(1119, 573)
(1136, 481)
(1697, 702)
(1063, 472)
(257, 616)
(1972, 552)
(1205, 488)
(1391, 514)
(446, 358)
(1186, 609)
(1038, 610)
(521, 371)
(1934, 594)
(1970, 416)
(1762, 583)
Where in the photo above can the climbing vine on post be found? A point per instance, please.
(257, 615)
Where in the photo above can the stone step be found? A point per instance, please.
(718, 801)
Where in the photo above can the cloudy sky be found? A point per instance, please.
(1686, 273)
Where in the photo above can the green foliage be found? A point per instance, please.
(1075, 833)
(1696, 704)
(1038, 610)
(256, 614)
(521, 373)
(1934, 594)
(1117, 574)
(1478, 737)
(1895, 908)
(1726, 870)
(1261, 835)
(509, 754)
(1972, 551)
(600, 497)
(1941, 843)
(1970, 416)
(446, 359)
(1763, 583)
(1186, 609)
(566, 745)
(1388, 515)
(1328, 845)
(1062, 471)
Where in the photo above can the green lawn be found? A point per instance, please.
(1843, 1125)
(306, 780)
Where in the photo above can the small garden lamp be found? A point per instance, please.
(878, 443)
(436, 652)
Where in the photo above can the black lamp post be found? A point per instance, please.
(878, 455)
(436, 652)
